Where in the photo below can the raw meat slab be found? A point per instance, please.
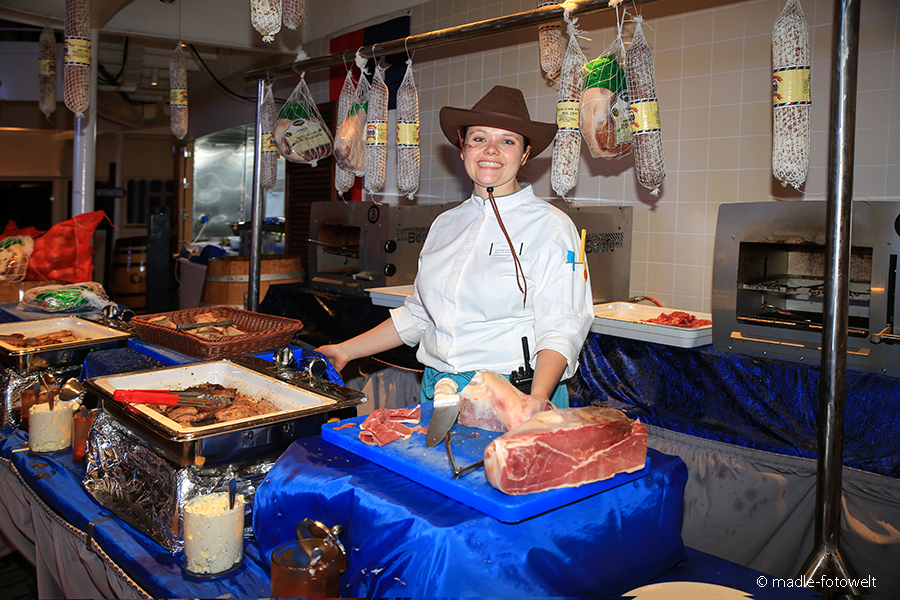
(430, 467)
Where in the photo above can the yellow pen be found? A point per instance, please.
(581, 252)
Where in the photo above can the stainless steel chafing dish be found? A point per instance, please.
(94, 336)
(305, 402)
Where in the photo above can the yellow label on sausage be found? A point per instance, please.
(178, 97)
(268, 144)
(376, 133)
(407, 133)
(790, 86)
(78, 51)
(646, 116)
(47, 67)
(567, 114)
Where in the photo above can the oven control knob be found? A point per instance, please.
(390, 270)
(390, 246)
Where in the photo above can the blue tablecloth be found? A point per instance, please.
(407, 540)
(58, 484)
(746, 401)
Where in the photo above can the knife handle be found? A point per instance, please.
(146, 397)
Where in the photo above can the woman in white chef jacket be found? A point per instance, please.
(497, 268)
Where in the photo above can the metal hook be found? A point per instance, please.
(459, 471)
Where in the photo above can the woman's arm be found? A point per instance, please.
(549, 366)
(378, 339)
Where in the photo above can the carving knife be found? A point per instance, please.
(446, 410)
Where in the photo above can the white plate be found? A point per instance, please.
(685, 590)
(626, 320)
(392, 297)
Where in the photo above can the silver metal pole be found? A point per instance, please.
(528, 18)
(826, 560)
(257, 210)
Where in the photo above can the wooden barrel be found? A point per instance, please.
(128, 273)
(228, 278)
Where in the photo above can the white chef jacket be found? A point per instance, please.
(466, 311)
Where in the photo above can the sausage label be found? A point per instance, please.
(47, 67)
(376, 133)
(178, 97)
(78, 51)
(567, 114)
(407, 134)
(790, 86)
(646, 116)
(268, 144)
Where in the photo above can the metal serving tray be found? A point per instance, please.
(94, 337)
(626, 320)
(305, 404)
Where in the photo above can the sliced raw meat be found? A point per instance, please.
(679, 319)
(565, 448)
(385, 425)
(492, 403)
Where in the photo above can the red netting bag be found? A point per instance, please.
(65, 251)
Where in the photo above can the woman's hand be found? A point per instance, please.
(336, 354)
(378, 339)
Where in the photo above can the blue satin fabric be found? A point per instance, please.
(752, 402)
(404, 539)
(156, 570)
(431, 376)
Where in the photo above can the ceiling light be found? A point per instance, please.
(154, 77)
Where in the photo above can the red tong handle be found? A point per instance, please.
(146, 397)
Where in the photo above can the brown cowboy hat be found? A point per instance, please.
(504, 108)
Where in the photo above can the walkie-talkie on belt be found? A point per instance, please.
(523, 376)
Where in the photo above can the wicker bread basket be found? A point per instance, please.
(262, 332)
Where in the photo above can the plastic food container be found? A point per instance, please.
(50, 430)
(213, 534)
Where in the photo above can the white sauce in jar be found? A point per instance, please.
(213, 534)
(50, 430)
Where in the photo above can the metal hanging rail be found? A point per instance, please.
(538, 16)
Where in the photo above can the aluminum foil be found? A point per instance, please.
(14, 383)
(128, 476)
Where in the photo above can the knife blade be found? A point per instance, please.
(446, 410)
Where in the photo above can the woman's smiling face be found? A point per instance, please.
(492, 158)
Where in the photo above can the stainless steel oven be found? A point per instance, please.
(769, 282)
(354, 246)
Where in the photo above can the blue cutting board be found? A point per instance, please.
(431, 468)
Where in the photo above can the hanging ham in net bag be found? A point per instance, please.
(344, 179)
(77, 70)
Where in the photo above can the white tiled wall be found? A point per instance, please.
(713, 68)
